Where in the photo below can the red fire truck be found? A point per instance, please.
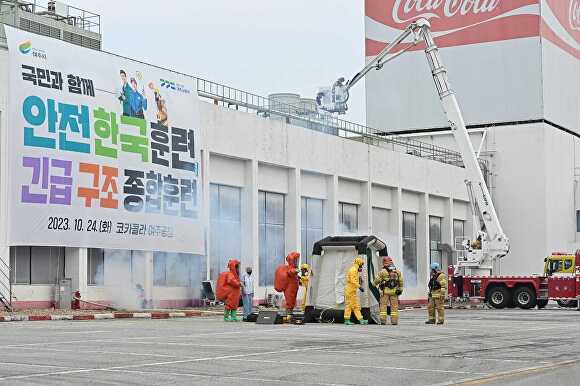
(560, 282)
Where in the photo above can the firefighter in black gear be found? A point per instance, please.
(437, 293)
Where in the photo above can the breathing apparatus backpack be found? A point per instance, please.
(221, 288)
(281, 278)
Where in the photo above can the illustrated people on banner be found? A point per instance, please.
(126, 93)
(161, 105)
(138, 101)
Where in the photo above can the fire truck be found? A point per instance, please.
(472, 275)
(560, 281)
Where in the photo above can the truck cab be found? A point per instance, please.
(560, 264)
(563, 273)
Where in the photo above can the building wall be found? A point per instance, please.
(560, 77)
(515, 63)
(492, 55)
(335, 170)
(254, 154)
(533, 188)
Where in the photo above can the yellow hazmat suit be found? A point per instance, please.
(304, 280)
(390, 283)
(351, 288)
(437, 294)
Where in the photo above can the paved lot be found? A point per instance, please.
(476, 347)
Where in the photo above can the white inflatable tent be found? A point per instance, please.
(330, 261)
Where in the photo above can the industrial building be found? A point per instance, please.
(276, 175)
(262, 197)
(514, 68)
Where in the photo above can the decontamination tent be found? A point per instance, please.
(330, 261)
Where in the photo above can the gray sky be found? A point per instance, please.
(262, 46)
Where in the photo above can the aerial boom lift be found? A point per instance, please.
(490, 242)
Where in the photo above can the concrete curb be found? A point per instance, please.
(110, 315)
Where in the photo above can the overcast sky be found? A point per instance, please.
(262, 46)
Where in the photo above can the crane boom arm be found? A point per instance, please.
(378, 61)
(493, 242)
(498, 243)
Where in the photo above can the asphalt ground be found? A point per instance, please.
(499, 347)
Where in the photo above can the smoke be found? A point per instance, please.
(123, 279)
(410, 275)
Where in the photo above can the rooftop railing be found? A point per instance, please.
(74, 16)
(306, 116)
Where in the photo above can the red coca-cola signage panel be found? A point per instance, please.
(462, 22)
(561, 24)
(455, 22)
(444, 15)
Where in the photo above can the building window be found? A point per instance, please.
(381, 221)
(271, 229)
(20, 265)
(347, 217)
(435, 253)
(225, 227)
(172, 269)
(311, 216)
(36, 265)
(578, 221)
(458, 233)
(410, 248)
(95, 266)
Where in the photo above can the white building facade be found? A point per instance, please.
(515, 70)
(273, 181)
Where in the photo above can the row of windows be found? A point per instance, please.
(436, 254)
(225, 228)
(36, 265)
(46, 265)
(41, 265)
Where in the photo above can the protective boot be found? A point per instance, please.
(348, 322)
(440, 322)
(364, 322)
(430, 322)
(227, 316)
(234, 316)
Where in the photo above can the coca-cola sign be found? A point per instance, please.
(444, 15)
(574, 16)
(454, 22)
(407, 10)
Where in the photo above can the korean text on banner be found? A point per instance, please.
(103, 151)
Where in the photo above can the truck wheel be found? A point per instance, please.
(525, 297)
(499, 297)
(542, 303)
(567, 303)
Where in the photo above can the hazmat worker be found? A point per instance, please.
(229, 290)
(351, 288)
(437, 293)
(389, 281)
(304, 280)
(286, 280)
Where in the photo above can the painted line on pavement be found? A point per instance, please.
(355, 366)
(514, 373)
(80, 371)
(80, 352)
(3, 363)
(129, 339)
(81, 332)
(264, 380)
